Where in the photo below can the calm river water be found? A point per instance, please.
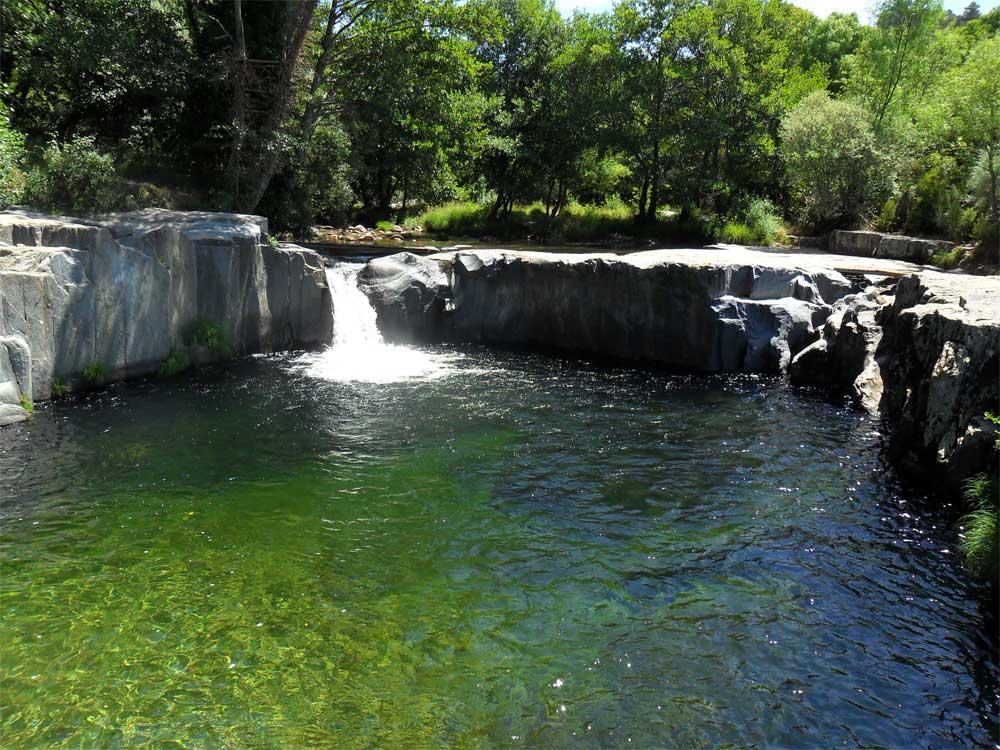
(498, 550)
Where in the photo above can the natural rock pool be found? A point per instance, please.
(517, 551)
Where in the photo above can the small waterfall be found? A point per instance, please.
(358, 352)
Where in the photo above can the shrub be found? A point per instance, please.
(11, 158)
(836, 171)
(948, 258)
(980, 539)
(94, 374)
(208, 334)
(74, 178)
(384, 225)
(760, 224)
(176, 363)
(27, 404)
(59, 388)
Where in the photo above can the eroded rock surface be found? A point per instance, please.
(703, 310)
(122, 291)
(920, 348)
(880, 245)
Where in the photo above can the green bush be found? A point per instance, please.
(980, 539)
(176, 363)
(59, 388)
(948, 258)
(837, 173)
(384, 225)
(11, 158)
(210, 335)
(27, 404)
(73, 178)
(759, 224)
(95, 374)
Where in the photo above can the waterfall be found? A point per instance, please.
(358, 353)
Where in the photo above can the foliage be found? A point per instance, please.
(27, 404)
(11, 158)
(95, 374)
(980, 541)
(177, 362)
(837, 173)
(210, 335)
(60, 389)
(73, 178)
(311, 111)
(948, 259)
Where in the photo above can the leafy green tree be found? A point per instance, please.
(888, 63)
(11, 158)
(836, 171)
(975, 106)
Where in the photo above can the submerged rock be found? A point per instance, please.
(122, 291)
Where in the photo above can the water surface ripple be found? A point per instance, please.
(522, 552)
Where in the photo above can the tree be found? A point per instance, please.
(836, 171)
(971, 13)
(889, 58)
(975, 105)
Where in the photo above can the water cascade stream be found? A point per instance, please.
(358, 352)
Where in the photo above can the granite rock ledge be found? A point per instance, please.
(122, 290)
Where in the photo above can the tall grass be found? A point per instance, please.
(980, 539)
(759, 224)
(575, 223)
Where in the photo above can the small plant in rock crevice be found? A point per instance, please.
(95, 374)
(176, 363)
(27, 404)
(60, 389)
(980, 538)
(209, 334)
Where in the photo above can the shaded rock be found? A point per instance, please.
(693, 310)
(409, 292)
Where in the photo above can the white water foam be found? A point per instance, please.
(358, 352)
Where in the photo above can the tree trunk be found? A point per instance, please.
(299, 16)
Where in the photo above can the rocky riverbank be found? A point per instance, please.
(918, 347)
(115, 297)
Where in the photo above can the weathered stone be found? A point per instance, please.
(123, 290)
(706, 310)
(879, 245)
(921, 349)
(410, 292)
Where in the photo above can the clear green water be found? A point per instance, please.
(525, 553)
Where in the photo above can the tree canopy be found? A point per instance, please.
(317, 110)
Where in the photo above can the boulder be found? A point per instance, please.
(123, 290)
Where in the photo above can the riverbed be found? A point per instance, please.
(493, 549)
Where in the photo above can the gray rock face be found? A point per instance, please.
(705, 310)
(879, 245)
(921, 349)
(923, 353)
(410, 293)
(122, 291)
